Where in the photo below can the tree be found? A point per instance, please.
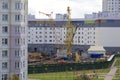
(14, 77)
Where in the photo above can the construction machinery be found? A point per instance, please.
(70, 33)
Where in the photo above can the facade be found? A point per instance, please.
(61, 16)
(13, 38)
(44, 38)
(102, 15)
(111, 6)
(31, 17)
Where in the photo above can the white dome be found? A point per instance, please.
(96, 48)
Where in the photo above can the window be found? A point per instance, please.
(50, 32)
(18, 5)
(17, 29)
(17, 41)
(50, 40)
(4, 76)
(82, 41)
(24, 41)
(17, 65)
(23, 63)
(45, 40)
(36, 40)
(4, 53)
(4, 41)
(23, 30)
(50, 36)
(45, 36)
(4, 5)
(5, 17)
(36, 36)
(18, 17)
(4, 29)
(23, 74)
(17, 53)
(40, 36)
(24, 52)
(4, 65)
(40, 40)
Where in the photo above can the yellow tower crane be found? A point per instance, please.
(70, 33)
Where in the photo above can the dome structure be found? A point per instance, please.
(96, 48)
(96, 51)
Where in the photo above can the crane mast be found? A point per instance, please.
(70, 33)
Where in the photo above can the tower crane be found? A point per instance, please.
(70, 33)
(50, 16)
(52, 23)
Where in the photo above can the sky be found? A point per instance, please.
(78, 7)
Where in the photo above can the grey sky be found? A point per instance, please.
(78, 7)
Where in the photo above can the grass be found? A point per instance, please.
(117, 64)
(53, 76)
(68, 75)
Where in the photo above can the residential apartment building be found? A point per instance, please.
(112, 6)
(13, 38)
(110, 10)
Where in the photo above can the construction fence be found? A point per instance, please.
(46, 68)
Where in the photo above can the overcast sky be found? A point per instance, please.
(78, 7)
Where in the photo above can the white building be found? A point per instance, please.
(103, 32)
(31, 17)
(42, 35)
(45, 34)
(110, 10)
(111, 6)
(102, 15)
(13, 38)
(61, 16)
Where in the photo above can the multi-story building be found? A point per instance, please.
(44, 38)
(13, 38)
(102, 15)
(111, 6)
(110, 10)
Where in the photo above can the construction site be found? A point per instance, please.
(68, 61)
(73, 49)
(64, 53)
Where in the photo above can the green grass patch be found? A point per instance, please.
(117, 64)
(53, 76)
(67, 75)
